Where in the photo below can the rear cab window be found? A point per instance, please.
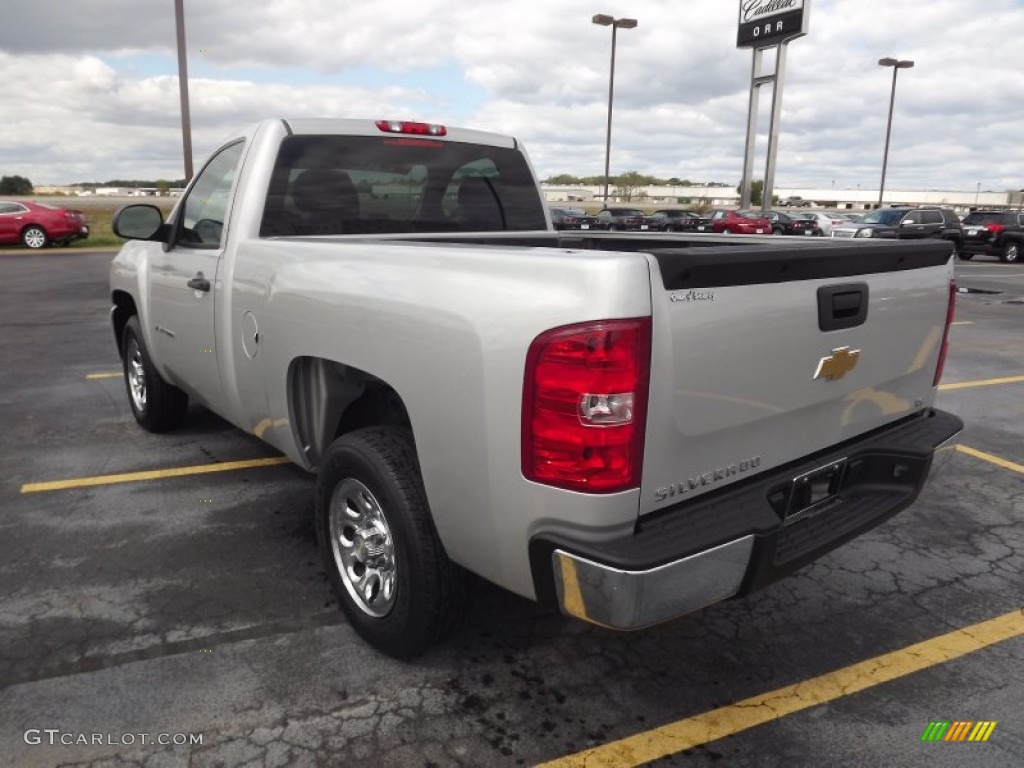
(339, 184)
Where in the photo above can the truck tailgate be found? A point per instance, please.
(762, 355)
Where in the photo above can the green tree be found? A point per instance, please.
(756, 191)
(15, 185)
(628, 184)
(563, 179)
(163, 187)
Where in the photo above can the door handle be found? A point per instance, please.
(199, 283)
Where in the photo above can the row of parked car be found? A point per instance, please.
(722, 220)
(991, 233)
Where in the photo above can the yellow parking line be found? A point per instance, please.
(111, 375)
(732, 719)
(991, 459)
(982, 383)
(154, 474)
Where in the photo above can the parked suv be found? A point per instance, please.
(993, 233)
(907, 224)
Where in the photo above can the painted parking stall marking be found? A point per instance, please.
(1013, 467)
(725, 721)
(153, 474)
(982, 383)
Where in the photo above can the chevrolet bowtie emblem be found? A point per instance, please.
(838, 364)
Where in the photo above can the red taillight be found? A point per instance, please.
(585, 405)
(416, 129)
(995, 229)
(950, 311)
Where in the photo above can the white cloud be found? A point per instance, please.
(93, 94)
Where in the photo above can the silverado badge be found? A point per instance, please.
(838, 364)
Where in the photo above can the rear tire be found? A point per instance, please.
(35, 237)
(776, 230)
(156, 405)
(379, 545)
(965, 256)
(1011, 253)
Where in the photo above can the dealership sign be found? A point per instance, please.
(769, 22)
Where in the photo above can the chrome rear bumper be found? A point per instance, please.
(620, 599)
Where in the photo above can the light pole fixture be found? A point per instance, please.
(609, 21)
(896, 64)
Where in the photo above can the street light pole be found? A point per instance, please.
(896, 65)
(186, 119)
(609, 21)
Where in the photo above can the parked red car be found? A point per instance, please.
(734, 223)
(37, 225)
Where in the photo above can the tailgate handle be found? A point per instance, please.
(842, 306)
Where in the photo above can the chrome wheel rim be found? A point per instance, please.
(34, 238)
(136, 375)
(1012, 252)
(363, 549)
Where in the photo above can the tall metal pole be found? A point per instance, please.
(773, 127)
(748, 156)
(888, 131)
(186, 119)
(608, 133)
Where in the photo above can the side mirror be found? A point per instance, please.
(140, 222)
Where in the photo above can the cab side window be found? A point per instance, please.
(201, 222)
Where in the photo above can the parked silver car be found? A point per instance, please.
(824, 219)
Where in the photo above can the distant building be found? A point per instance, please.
(54, 190)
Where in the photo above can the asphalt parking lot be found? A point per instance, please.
(136, 607)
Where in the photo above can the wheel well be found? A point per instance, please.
(328, 399)
(124, 308)
(32, 225)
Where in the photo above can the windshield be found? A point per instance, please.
(888, 216)
(330, 185)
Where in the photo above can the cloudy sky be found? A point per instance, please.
(89, 88)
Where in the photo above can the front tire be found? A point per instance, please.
(379, 545)
(1011, 253)
(35, 237)
(965, 256)
(156, 405)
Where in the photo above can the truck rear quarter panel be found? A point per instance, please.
(448, 328)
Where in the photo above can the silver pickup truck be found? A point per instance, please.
(628, 427)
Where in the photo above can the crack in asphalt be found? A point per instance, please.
(175, 648)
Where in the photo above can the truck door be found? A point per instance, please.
(184, 285)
